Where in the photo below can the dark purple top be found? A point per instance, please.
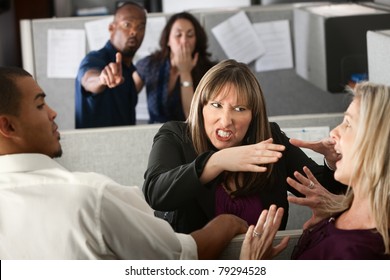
(247, 208)
(326, 242)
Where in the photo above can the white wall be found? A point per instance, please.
(170, 6)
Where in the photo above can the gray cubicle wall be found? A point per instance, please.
(60, 93)
(286, 93)
(378, 46)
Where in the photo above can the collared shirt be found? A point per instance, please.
(112, 107)
(47, 212)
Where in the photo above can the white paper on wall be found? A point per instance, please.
(238, 38)
(313, 133)
(276, 38)
(97, 32)
(154, 27)
(66, 48)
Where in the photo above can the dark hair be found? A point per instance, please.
(204, 62)
(10, 94)
(121, 4)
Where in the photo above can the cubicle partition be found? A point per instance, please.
(286, 93)
(60, 93)
(378, 46)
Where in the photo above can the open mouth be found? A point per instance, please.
(224, 135)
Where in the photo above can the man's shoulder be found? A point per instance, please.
(99, 57)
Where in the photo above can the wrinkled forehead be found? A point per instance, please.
(228, 89)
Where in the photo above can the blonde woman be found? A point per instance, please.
(360, 229)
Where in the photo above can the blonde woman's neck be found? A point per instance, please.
(358, 216)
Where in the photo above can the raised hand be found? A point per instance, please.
(183, 60)
(324, 146)
(316, 196)
(251, 157)
(111, 75)
(248, 158)
(258, 240)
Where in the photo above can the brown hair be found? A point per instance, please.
(204, 62)
(231, 72)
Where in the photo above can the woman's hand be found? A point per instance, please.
(182, 59)
(248, 158)
(258, 240)
(324, 147)
(316, 196)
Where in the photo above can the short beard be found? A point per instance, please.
(58, 153)
(129, 53)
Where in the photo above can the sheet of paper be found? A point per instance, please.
(97, 32)
(154, 27)
(314, 133)
(276, 38)
(66, 49)
(142, 113)
(238, 39)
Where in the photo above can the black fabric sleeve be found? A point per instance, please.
(172, 175)
(295, 159)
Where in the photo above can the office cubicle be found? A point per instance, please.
(286, 93)
(378, 46)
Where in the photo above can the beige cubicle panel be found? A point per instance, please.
(378, 46)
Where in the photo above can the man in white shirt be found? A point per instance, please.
(47, 212)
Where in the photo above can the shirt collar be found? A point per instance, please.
(26, 163)
(113, 52)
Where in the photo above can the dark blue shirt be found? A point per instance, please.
(162, 106)
(113, 106)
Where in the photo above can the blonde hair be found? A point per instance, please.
(371, 154)
(234, 74)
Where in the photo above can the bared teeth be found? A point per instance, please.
(223, 133)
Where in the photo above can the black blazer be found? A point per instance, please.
(172, 178)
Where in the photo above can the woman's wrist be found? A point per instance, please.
(328, 165)
(186, 84)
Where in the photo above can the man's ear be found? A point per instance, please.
(6, 127)
(111, 27)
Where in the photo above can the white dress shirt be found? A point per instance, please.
(47, 212)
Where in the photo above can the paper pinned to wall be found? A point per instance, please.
(313, 133)
(66, 48)
(238, 39)
(154, 27)
(276, 38)
(97, 32)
